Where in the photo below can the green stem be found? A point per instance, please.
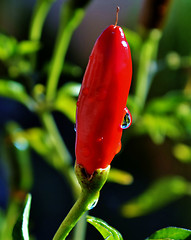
(72, 19)
(145, 71)
(57, 140)
(80, 207)
(91, 186)
(63, 158)
(41, 10)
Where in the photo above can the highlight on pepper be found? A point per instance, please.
(101, 113)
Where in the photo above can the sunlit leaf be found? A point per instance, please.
(15, 91)
(20, 230)
(182, 152)
(66, 100)
(119, 176)
(71, 89)
(27, 47)
(159, 127)
(67, 105)
(105, 230)
(169, 103)
(41, 142)
(169, 116)
(158, 195)
(183, 113)
(171, 233)
(8, 46)
(173, 60)
(38, 140)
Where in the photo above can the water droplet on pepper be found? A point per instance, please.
(91, 206)
(127, 120)
(100, 139)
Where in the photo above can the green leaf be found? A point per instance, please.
(8, 46)
(105, 230)
(182, 152)
(160, 126)
(71, 89)
(158, 195)
(20, 230)
(169, 103)
(169, 116)
(119, 176)
(39, 141)
(66, 100)
(27, 47)
(171, 233)
(15, 91)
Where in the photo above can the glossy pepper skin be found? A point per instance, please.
(102, 100)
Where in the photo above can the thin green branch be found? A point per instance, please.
(71, 18)
(57, 140)
(79, 208)
(91, 186)
(40, 12)
(63, 158)
(145, 69)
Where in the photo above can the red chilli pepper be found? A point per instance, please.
(101, 105)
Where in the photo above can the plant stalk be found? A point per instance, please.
(146, 69)
(41, 10)
(71, 20)
(76, 212)
(64, 159)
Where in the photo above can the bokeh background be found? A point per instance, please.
(144, 155)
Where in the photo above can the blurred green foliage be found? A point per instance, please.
(160, 103)
(171, 233)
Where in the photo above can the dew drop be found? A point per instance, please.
(100, 139)
(92, 205)
(127, 120)
(75, 127)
